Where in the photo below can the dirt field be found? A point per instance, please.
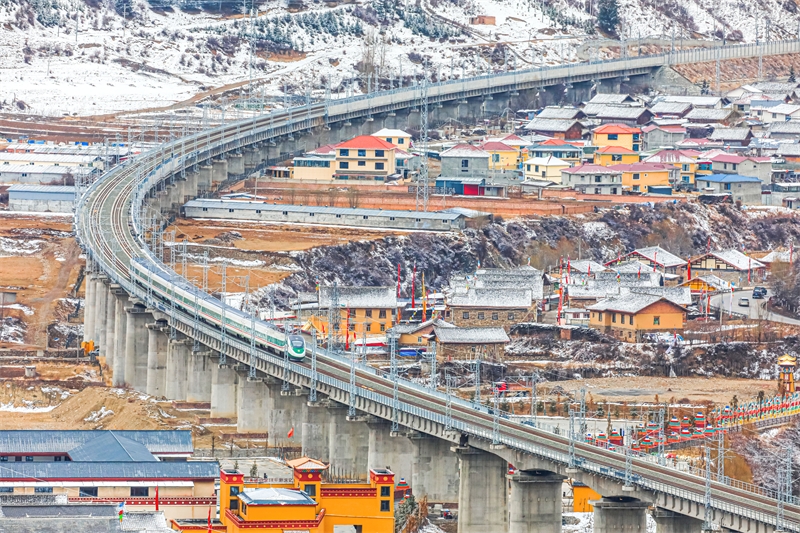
(40, 261)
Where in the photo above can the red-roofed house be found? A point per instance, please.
(501, 155)
(365, 158)
(617, 135)
(639, 177)
(685, 160)
(593, 179)
(612, 155)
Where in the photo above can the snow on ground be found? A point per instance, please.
(98, 415)
(9, 246)
(27, 407)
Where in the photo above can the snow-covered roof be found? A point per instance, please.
(678, 295)
(361, 297)
(611, 99)
(547, 124)
(776, 86)
(710, 115)
(413, 328)
(501, 298)
(711, 280)
(789, 127)
(630, 303)
(586, 265)
(778, 256)
(735, 258)
(730, 134)
(670, 108)
(785, 109)
(696, 101)
(549, 161)
(589, 168)
(388, 132)
(621, 112)
(471, 335)
(560, 113)
(464, 150)
(660, 256)
(783, 149)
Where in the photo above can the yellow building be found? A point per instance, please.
(631, 316)
(639, 177)
(398, 138)
(544, 168)
(615, 155)
(365, 158)
(304, 503)
(617, 135)
(315, 165)
(370, 310)
(684, 160)
(501, 155)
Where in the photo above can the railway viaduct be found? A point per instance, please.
(346, 412)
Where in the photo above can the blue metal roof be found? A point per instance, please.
(727, 178)
(275, 496)
(111, 447)
(40, 441)
(126, 470)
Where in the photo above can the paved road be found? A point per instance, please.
(756, 311)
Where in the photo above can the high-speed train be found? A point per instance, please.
(167, 287)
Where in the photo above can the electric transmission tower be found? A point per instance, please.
(422, 181)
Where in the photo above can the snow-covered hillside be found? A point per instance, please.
(83, 57)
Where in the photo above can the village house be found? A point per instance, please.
(466, 161)
(370, 310)
(730, 265)
(398, 138)
(501, 307)
(706, 284)
(617, 135)
(566, 129)
(785, 130)
(640, 177)
(562, 113)
(655, 136)
(711, 116)
(630, 317)
(629, 115)
(592, 179)
(317, 164)
(544, 168)
(470, 343)
(612, 155)
(585, 266)
(684, 160)
(781, 113)
(709, 102)
(673, 110)
(731, 137)
(501, 156)
(725, 163)
(744, 189)
(613, 98)
(558, 148)
(417, 335)
(365, 158)
(664, 261)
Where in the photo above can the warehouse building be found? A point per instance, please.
(48, 175)
(41, 198)
(331, 216)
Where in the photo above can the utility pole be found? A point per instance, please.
(422, 179)
(392, 339)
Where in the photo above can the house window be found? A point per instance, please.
(511, 316)
(344, 164)
(382, 313)
(465, 315)
(400, 140)
(636, 188)
(344, 152)
(480, 315)
(635, 147)
(87, 492)
(378, 166)
(383, 327)
(311, 490)
(734, 166)
(378, 153)
(258, 211)
(3, 458)
(444, 221)
(368, 313)
(391, 218)
(385, 507)
(311, 214)
(362, 153)
(495, 316)
(205, 209)
(338, 216)
(386, 492)
(419, 340)
(616, 157)
(465, 163)
(599, 316)
(286, 212)
(351, 327)
(366, 217)
(614, 317)
(230, 210)
(43, 490)
(362, 163)
(613, 137)
(244, 508)
(6, 490)
(635, 136)
(727, 186)
(535, 170)
(29, 458)
(636, 176)
(656, 320)
(144, 492)
(598, 179)
(495, 158)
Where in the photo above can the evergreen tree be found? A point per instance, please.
(608, 16)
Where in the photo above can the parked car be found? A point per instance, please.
(744, 302)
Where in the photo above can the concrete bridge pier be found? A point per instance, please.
(251, 160)
(434, 470)
(251, 405)
(669, 522)
(482, 491)
(223, 391)
(111, 321)
(101, 298)
(349, 442)
(190, 186)
(235, 165)
(412, 118)
(89, 309)
(204, 178)
(219, 172)
(177, 367)
(615, 514)
(535, 502)
(315, 437)
(199, 377)
(157, 346)
(387, 450)
(136, 345)
(120, 337)
(285, 410)
(609, 85)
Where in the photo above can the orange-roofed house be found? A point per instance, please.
(501, 155)
(617, 135)
(365, 158)
(639, 177)
(615, 155)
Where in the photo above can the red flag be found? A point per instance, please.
(291, 433)
(156, 497)
(398, 280)
(209, 520)
(347, 331)
(689, 270)
(655, 258)
(590, 269)
(568, 268)
(639, 273)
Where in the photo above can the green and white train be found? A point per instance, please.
(185, 295)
